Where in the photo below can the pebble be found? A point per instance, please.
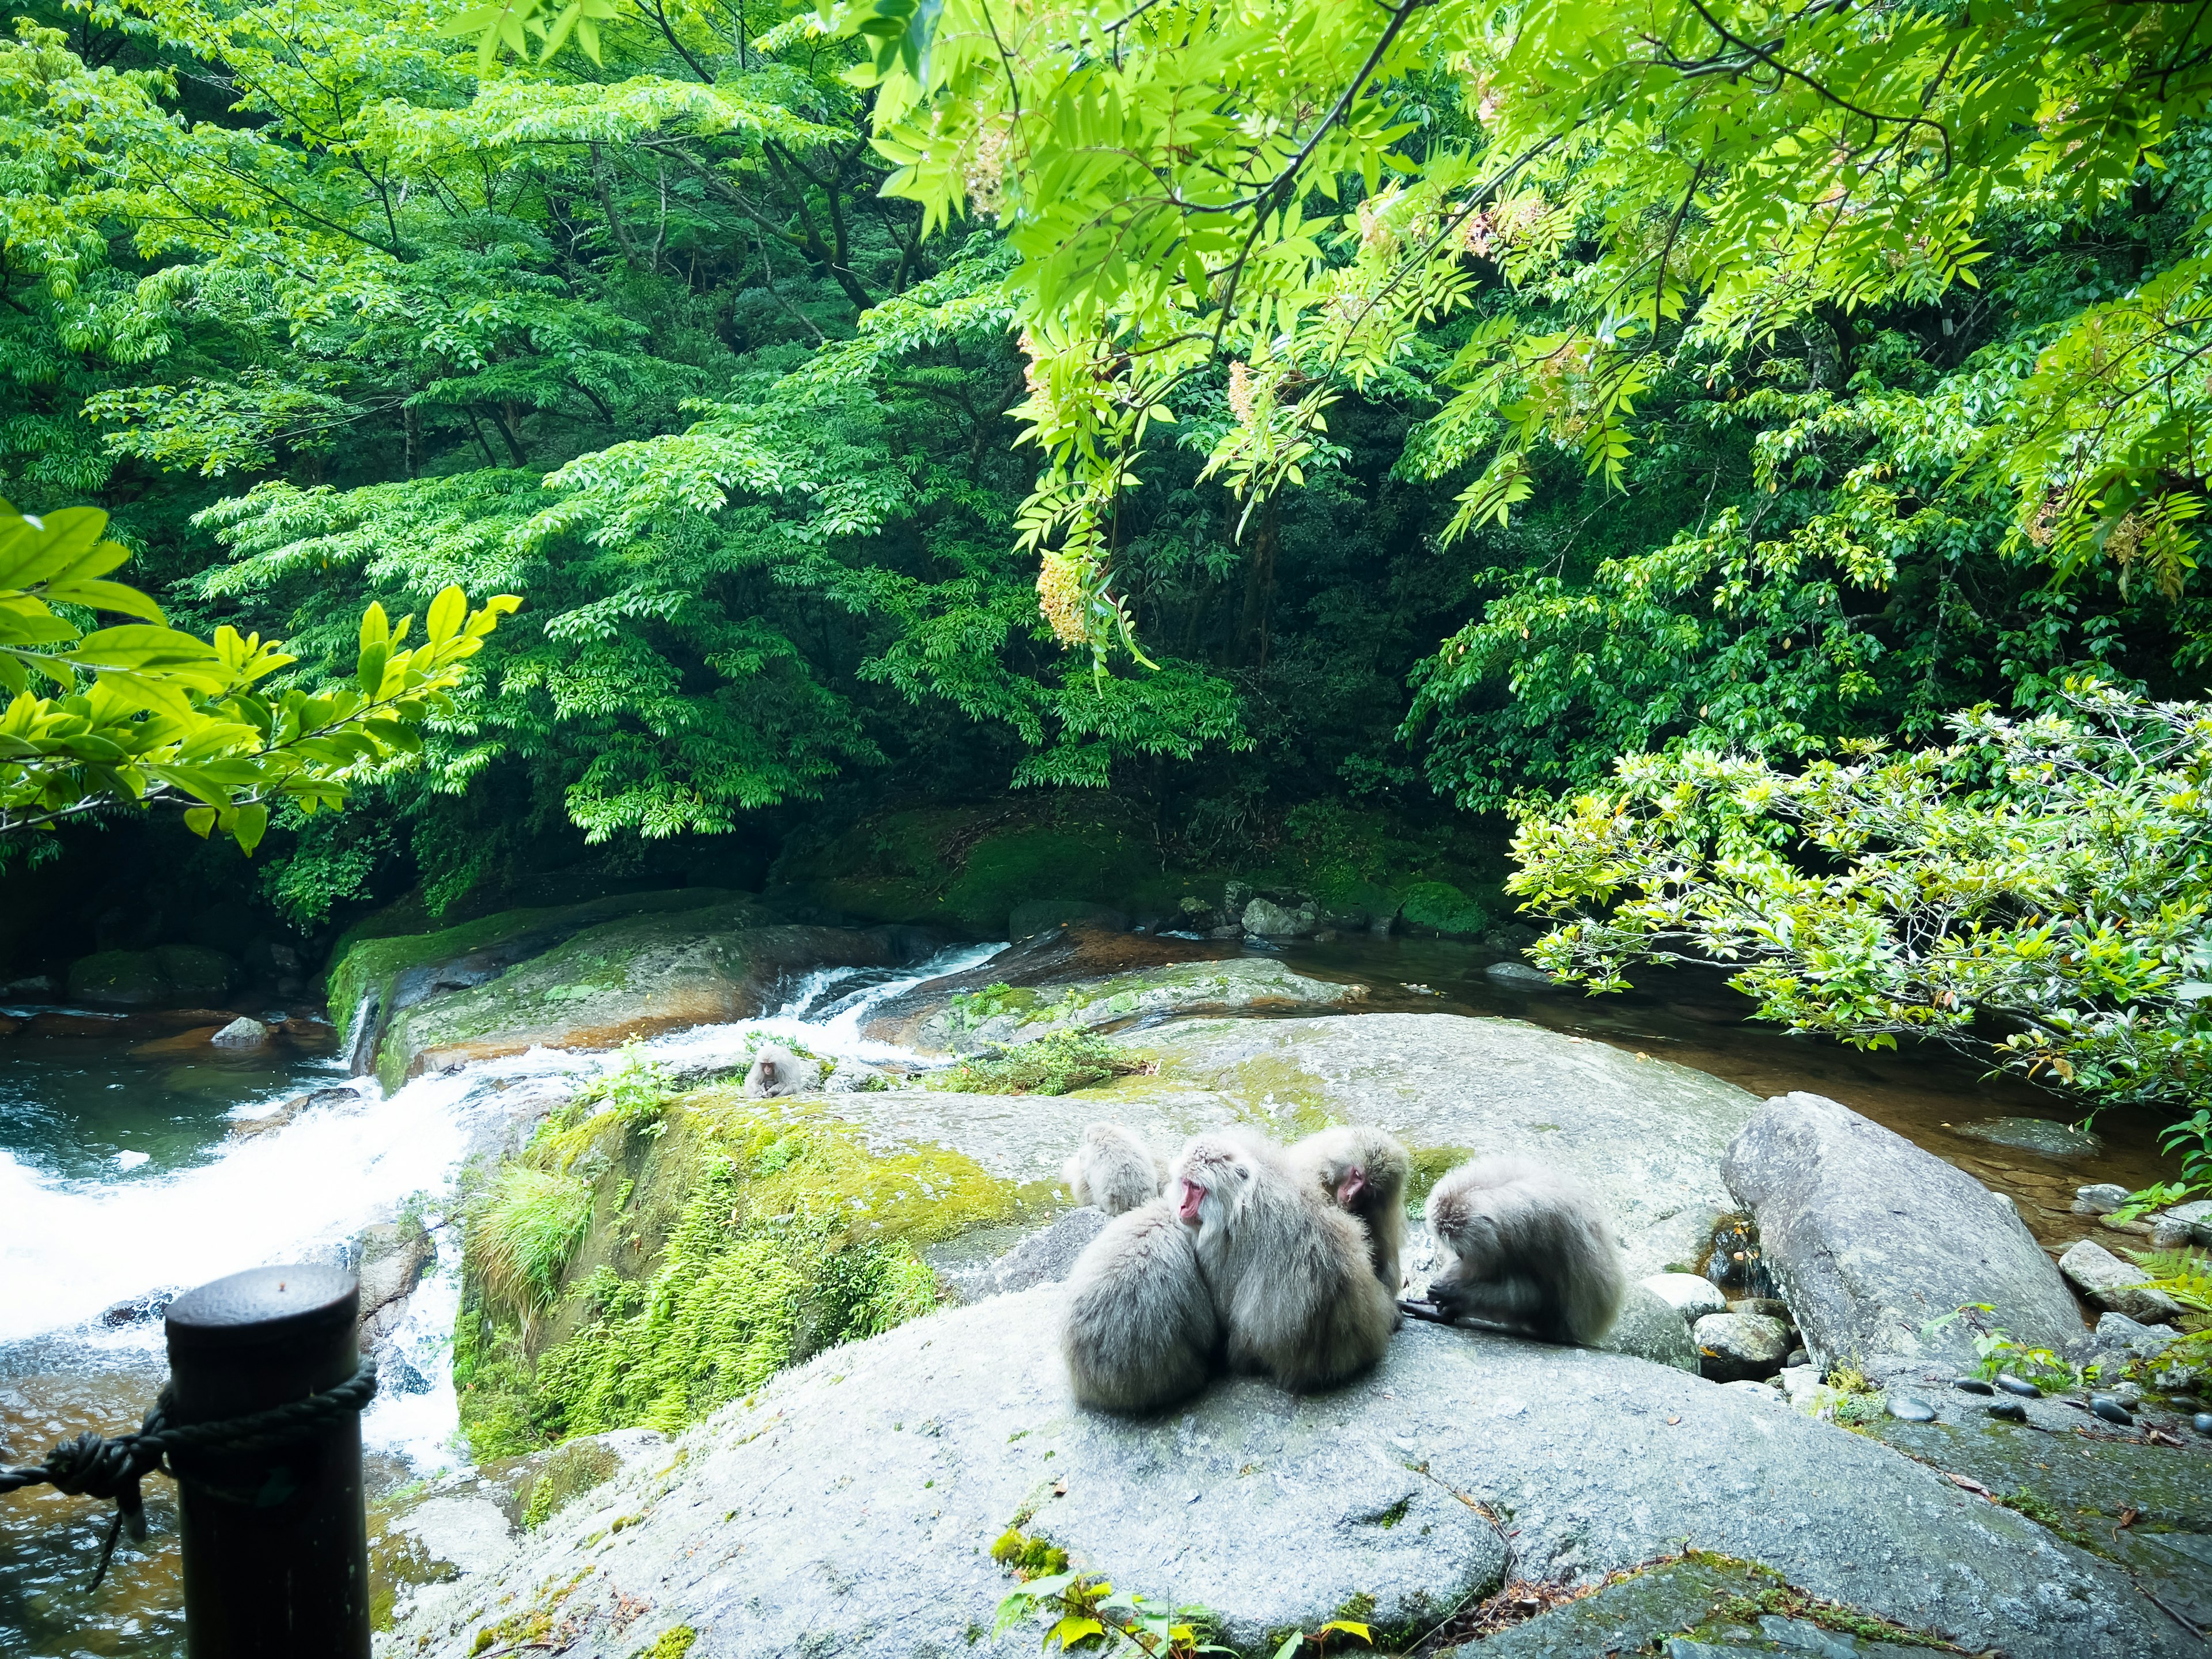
(1798, 1357)
(2021, 1386)
(1910, 1408)
(2010, 1411)
(2110, 1409)
(1973, 1385)
(2202, 1422)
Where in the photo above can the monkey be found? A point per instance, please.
(1288, 1271)
(1529, 1248)
(1113, 1170)
(1141, 1331)
(776, 1070)
(1363, 1171)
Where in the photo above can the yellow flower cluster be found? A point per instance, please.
(1061, 597)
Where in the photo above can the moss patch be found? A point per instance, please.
(729, 1239)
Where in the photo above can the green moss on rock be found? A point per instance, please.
(730, 1238)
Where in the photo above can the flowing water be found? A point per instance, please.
(121, 1178)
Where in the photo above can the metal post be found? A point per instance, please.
(275, 1542)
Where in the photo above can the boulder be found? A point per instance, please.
(1651, 1329)
(1735, 1347)
(1692, 1296)
(148, 978)
(1877, 1245)
(2120, 1339)
(2182, 1225)
(850, 1506)
(1264, 919)
(2101, 1198)
(242, 1033)
(390, 1262)
(633, 977)
(1022, 993)
(1043, 1258)
(2112, 1284)
(1520, 974)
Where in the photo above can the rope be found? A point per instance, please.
(109, 1469)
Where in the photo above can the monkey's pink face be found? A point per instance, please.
(1351, 1182)
(1207, 1179)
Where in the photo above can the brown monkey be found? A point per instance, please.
(1363, 1171)
(1141, 1331)
(776, 1070)
(1530, 1249)
(1288, 1271)
(1113, 1170)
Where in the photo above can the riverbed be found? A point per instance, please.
(123, 1173)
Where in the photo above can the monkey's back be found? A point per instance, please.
(1141, 1331)
(1113, 1170)
(1546, 1230)
(1298, 1292)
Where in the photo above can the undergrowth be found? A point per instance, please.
(523, 1232)
(1052, 1065)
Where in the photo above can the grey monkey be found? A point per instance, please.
(776, 1070)
(1363, 1171)
(1113, 1170)
(1288, 1271)
(1141, 1331)
(1529, 1248)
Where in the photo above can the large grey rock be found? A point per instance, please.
(1650, 1328)
(244, 1032)
(1692, 1296)
(1875, 1243)
(1734, 1346)
(848, 1508)
(2183, 1224)
(391, 1262)
(2101, 1198)
(2034, 1135)
(2111, 1283)
(1264, 919)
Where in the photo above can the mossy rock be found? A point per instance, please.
(362, 966)
(730, 1238)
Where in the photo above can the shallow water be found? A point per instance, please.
(118, 1177)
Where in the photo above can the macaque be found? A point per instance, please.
(1113, 1170)
(1140, 1332)
(1289, 1272)
(1363, 1172)
(1529, 1248)
(776, 1070)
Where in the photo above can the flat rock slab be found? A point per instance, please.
(1879, 1247)
(849, 1507)
(1646, 1134)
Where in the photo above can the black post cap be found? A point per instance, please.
(264, 1304)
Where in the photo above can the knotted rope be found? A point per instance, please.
(109, 1469)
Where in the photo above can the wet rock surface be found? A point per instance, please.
(2119, 1286)
(1076, 979)
(850, 1506)
(1875, 1242)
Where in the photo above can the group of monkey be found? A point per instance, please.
(1285, 1260)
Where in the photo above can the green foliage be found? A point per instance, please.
(1057, 1063)
(2055, 871)
(523, 1232)
(677, 1639)
(1080, 1607)
(2183, 1274)
(1998, 1353)
(143, 712)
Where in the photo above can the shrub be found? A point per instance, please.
(523, 1232)
(1052, 1065)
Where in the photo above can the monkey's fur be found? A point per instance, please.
(1530, 1249)
(1113, 1170)
(1141, 1331)
(776, 1070)
(1288, 1271)
(1363, 1171)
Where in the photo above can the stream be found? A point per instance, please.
(122, 1177)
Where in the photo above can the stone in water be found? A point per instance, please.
(2021, 1386)
(1973, 1385)
(2009, 1411)
(1908, 1408)
(2202, 1422)
(2110, 1409)
(2035, 1135)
